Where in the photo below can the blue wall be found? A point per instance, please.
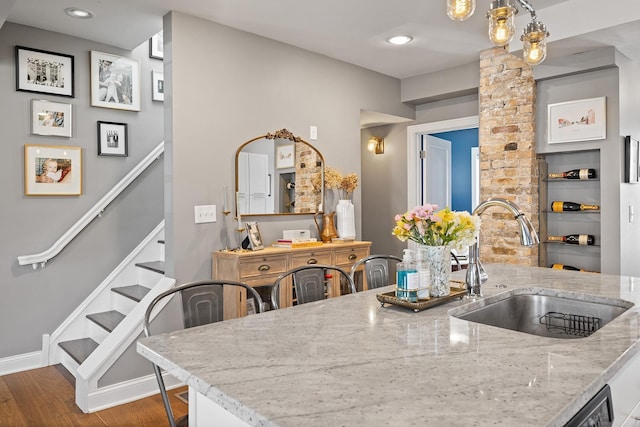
(461, 143)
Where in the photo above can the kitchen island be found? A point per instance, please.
(348, 361)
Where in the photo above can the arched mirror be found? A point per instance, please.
(279, 174)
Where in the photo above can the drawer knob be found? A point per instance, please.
(352, 257)
(312, 261)
(264, 267)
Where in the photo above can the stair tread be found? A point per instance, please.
(79, 349)
(157, 266)
(107, 319)
(134, 292)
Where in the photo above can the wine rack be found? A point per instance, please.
(585, 191)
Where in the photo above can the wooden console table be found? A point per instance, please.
(261, 268)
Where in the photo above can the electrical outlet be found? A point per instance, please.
(205, 213)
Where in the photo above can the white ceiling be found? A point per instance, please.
(350, 30)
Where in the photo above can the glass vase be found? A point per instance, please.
(346, 219)
(439, 260)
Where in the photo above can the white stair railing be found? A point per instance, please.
(96, 211)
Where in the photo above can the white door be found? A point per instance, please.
(258, 183)
(436, 171)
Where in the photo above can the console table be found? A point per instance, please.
(260, 269)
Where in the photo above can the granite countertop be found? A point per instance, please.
(349, 361)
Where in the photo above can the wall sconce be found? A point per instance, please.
(502, 26)
(376, 145)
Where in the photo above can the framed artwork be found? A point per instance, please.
(115, 82)
(50, 118)
(44, 72)
(253, 234)
(52, 170)
(581, 120)
(157, 85)
(631, 160)
(112, 139)
(156, 49)
(285, 156)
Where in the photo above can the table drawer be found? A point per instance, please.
(310, 258)
(262, 266)
(350, 256)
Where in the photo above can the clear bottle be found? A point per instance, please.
(407, 278)
(423, 272)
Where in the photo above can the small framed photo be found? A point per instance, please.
(44, 72)
(156, 49)
(253, 233)
(581, 120)
(112, 139)
(52, 170)
(285, 156)
(631, 160)
(157, 85)
(50, 118)
(115, 82)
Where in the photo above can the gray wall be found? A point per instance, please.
(581, 86)
(229, 86)
(384, 176)
(35, 302)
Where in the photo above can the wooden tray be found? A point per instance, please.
(457, 291)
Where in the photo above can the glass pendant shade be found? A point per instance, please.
(460, 10)
(534, 43)
(501, 22)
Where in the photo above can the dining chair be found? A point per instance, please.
(309, 283)
(201, 304)
(377, 270)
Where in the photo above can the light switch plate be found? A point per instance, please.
(313, 132)
(205, 213)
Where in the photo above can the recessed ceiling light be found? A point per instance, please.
(76, 12)
(399, 40)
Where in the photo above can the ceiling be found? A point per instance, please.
(353, 31)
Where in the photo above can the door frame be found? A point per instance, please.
(414, 133)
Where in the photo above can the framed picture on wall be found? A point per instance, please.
(42, 71)
(631, 160)
(112, 139)
(156, 49)
(52, 170)
(157, 85)
(50, 118)
(285, 156)
(115, 82)
(581, 120)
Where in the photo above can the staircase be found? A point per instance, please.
(108, 322)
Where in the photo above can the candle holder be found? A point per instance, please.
(225, 213)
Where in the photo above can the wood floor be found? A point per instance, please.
(46, 397)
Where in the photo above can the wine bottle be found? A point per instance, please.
(574, 239)
(565, 267)
(571, 207)
(575, 174)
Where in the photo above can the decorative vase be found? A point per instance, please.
(346, 219)
(439, 260)
(328, 231)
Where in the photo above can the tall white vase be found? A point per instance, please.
(346, 219)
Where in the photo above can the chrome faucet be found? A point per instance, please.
(476, 275)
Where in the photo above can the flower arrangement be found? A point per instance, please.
(346, 184)
(426, 226)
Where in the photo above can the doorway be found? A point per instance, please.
(417, 173)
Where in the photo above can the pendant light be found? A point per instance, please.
(501, 17)
(534, 43)
(460, 10)
(501, 22)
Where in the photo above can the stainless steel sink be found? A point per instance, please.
(544, 312)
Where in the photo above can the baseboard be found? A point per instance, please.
(128, 391)
(20, 362)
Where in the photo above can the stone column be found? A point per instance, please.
(508, 165)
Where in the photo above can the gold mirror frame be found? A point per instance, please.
(294, 176)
